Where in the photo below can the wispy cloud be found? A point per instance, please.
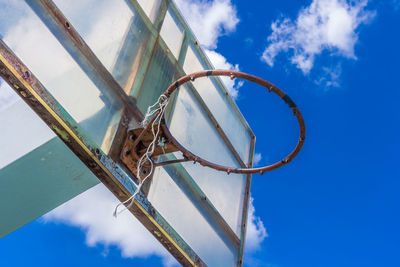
(396, 4)
(92, 212)
(325, 25)
(330, 76)
(220, 62)
(209, 19)
(256, 232)
(257, 158)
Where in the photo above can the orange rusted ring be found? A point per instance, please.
(236, 74)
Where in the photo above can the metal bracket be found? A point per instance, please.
(136, 144)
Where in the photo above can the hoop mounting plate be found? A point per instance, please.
(136, 143)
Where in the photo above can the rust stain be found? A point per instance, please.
(135, 146)
(61, 133)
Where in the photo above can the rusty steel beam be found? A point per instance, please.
(26, 85)
(76, 46)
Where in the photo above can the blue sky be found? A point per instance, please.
(337, 203)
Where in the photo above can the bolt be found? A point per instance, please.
(157, 233)
(23, 93)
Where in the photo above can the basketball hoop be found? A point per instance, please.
(137, 141)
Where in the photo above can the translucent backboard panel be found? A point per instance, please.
(150, 7)
(102, 24)
(218, 103)
(112, 30)
(191, 127)
(90, 65)
(161, 72)
(36, 167)
(59, 72)
(16, 117)
(188, 221)
(172, 34)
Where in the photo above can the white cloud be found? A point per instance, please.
(330, 77)
(92, 212)
(257, 158)
(209, 19)
(256, 232)
(325, 25)
(220, 62)
(396, 4)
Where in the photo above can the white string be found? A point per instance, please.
(161, 104)
(151, 112)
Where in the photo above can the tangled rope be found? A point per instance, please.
(157, 108)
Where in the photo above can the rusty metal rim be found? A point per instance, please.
(236, 74)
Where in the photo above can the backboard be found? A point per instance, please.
(89, 70)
